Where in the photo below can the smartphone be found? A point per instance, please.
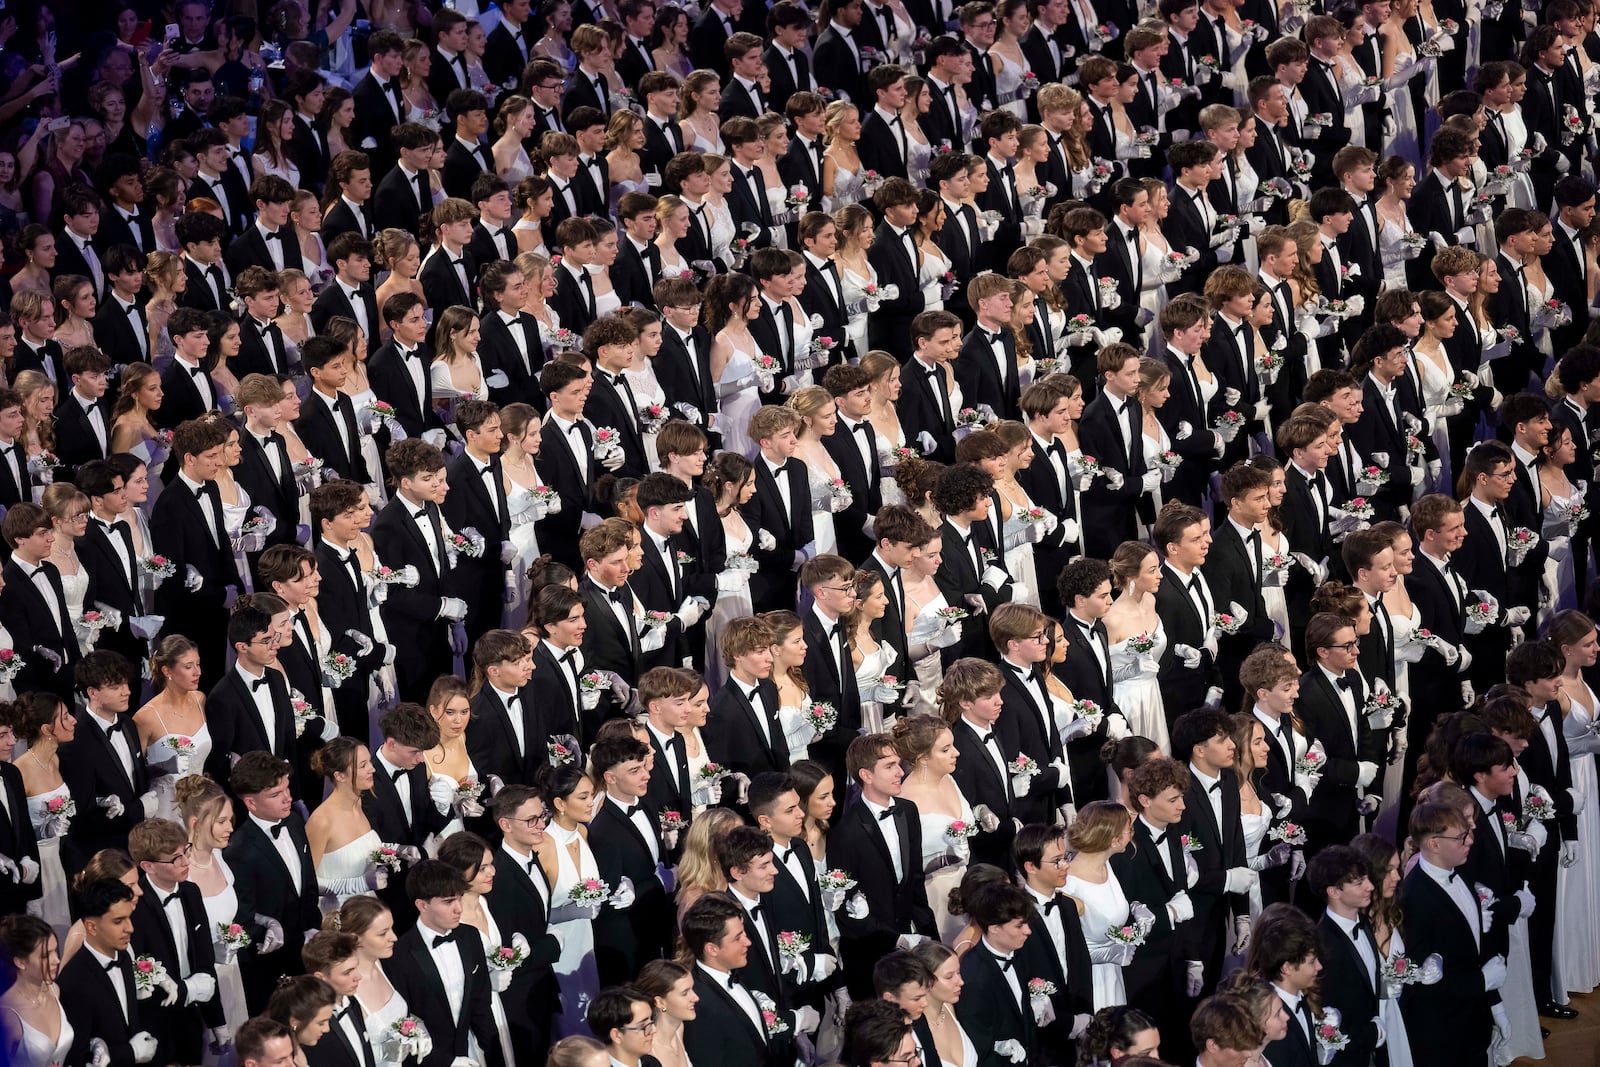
(172, 32)
(59, 123)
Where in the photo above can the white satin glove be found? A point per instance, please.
(442, 790)
(1020, 784)
(856, 906)
(1011, 1049)
(1569, 853)
(144, 1047)
(1525, 902)
(1189, 655)
(199, 988)
(1241, 935)
(1494, 973)
(1240, 880)
(692, 610)
(452, 608)
(1194, 977)
(1180, 908)
(30, 870)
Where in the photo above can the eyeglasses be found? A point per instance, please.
(1348, 646)
(842, 590)
(1040, 636)
(182, 854)
(644, 1028)
(541, 819)
(1459, 839)
(910, 1057)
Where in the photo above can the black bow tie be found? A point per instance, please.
(569, 655)
(1159, 838)
(441, 939)
(168, 899)
(630, 810)
(984, 739)
(1005, 962)
(275, 235)
(1215, 787)
(782, 855)
(617, 596)
(886, 813)
(258, 683)
(1052, 904)
(277, 828)
(1343, 683)
(396, 774)
(113, 963)
(755, 912)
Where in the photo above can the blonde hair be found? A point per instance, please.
(808, 403)
(1098, 826)
(836, 120)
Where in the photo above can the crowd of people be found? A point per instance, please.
(1038, 531)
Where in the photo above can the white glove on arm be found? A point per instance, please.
(442, 790)
(1180, 908)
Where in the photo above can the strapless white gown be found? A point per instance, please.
(729, 606)
(818, 476)
(738, 399)
(342, 874)
(36, 1049)
(75, 587)
(855, 305)
(161, 757)
(873, 666)
(1136, 690)
(378, 1022)
(223, 908)
(1104, 906)
(52, 904)
(363, 402)
(493, 939)
(936, 849)
(929, 669)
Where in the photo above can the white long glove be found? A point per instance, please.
(692, 610)
(1240, 880)
(1194, 977)
(144, 1047)
(1188, 654)
(1180, 908)
(856, 906)
(1494, 974)
(442, 790)
(1020, 784)
(199, 988)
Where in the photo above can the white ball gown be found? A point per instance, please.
(947, 875)
(1136, 690)
(223, 908)
(1104, 906)
(1576, 964)
(342, 873)
(36, 1049)
(162, 756)
(52, 903)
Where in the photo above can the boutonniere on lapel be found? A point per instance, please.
(1399, 971)
(986, 557)
(1191, 844)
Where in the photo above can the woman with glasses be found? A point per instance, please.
(568, 861)
(472, 857)
(177, 709)
(206, 812)
(342, 840)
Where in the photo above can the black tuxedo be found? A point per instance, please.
(411, 615)
(723, 1032)
(335, 301)
(1452, 1017)
(864, 480)
(967, 253)
(1204, 937)
(787, 80)
(1198, 450)
(1184, 227)
(1030, 730)
(236, 723)
(1070, 972)
(341, 608)
(341, 219)
(267, 890)
(1155, 978)
(1482, 565)
(574, 300)
(416, 978)
(609, 643)
(559, 711)
(520, 901)
(609, 404)
(1233, 570)
(76, 443)
(29, 618)
(925, 407)
(199, 294)
(463, 166)
(492, 736)
(894, 906)
(685, 375)
(441, 282)
(481, 582)
(181, 398)
(119, 334)
(838, 65)
(277, 492)
(117, 229)
(581, 91)
(735, 739)
(498, 350)
(179, 1028)
(573, 481)
(1347, 985)
(17, 840)
(1110, 515)
(889, 328)
(1184, 687)
(507, 50)
(338, 1048)
(320, 432)
(179, 530)
(239, 211)
(249, 249)
(958, 576)
(994, 1013)
(89, 999)
(661, 143)
(392, 382)
(398, 202)
(627, 940)
(91, 769)
(982, 380)
(982, 783)
(1332, 815)
(737, 101)
(635, 273)
(261, 350)
(771, 587)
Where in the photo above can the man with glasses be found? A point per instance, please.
(1454, 1019)
(1056, 950)
(170, 925)
(1332, 693)
(830, 667)
(624, 1019)
(520, 901)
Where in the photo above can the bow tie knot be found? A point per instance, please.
(442, 939)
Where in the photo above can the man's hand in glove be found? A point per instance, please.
(199, 988)
(1011, 1049)
(1569, 853)
(856, 906)
(1194, 977)
(1525, 902)
(1240, 879)
(144, 1047)
(1188, 655)
(1020, 784)
(1180, 908)
(442, 790)
(452, 608)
